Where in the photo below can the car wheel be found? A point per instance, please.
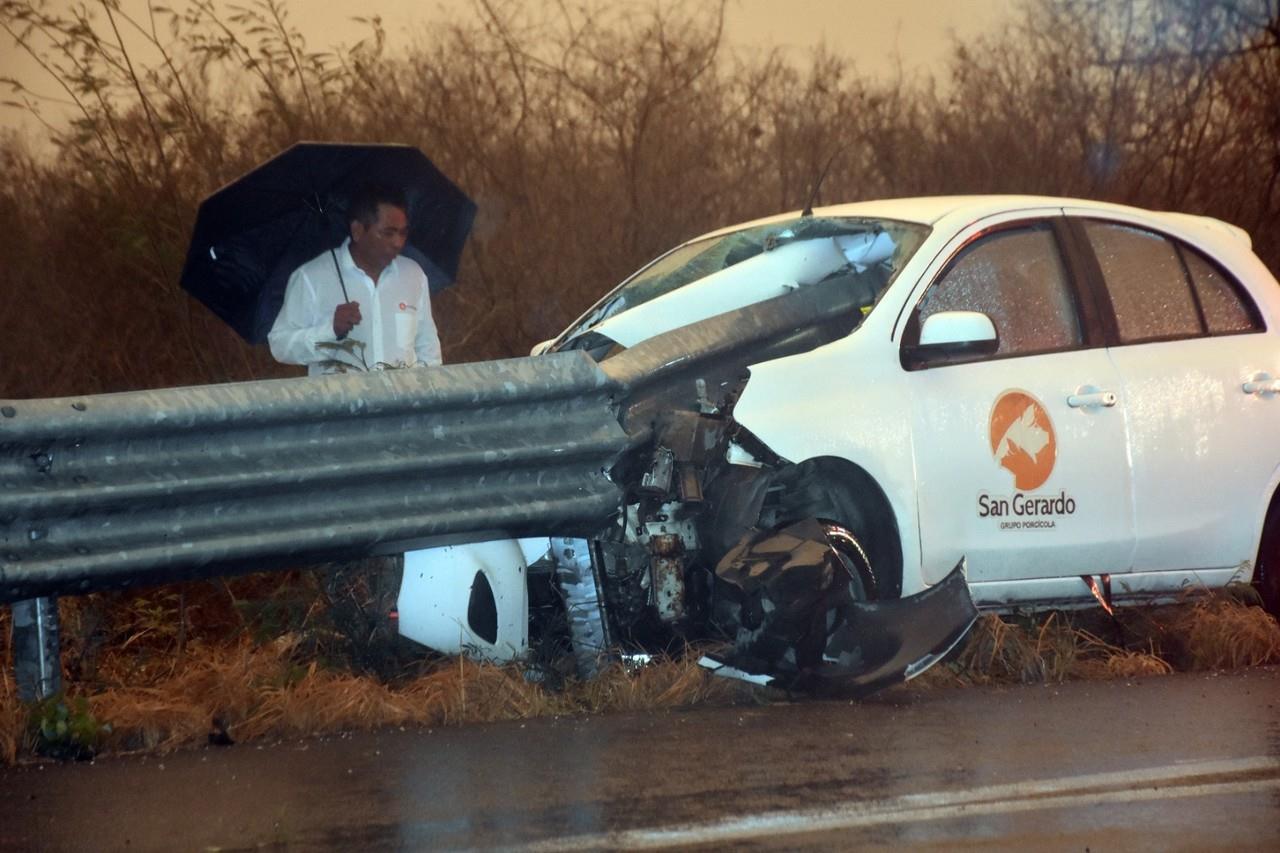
(1266, 576)
(834, 491)
(781, 593)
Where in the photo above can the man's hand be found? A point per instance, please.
(344, 317)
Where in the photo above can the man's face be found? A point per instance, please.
(380, 242)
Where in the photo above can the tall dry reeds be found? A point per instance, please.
(592, 140)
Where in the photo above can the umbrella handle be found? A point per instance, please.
(333, 254)
(338, 269)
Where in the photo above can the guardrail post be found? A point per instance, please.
(578, 576)
(37, 660)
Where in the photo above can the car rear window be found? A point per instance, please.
(1147, 281)
(1165, 290)
(1225, 308)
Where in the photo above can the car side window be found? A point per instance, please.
(1148, 283)
(1017, 278)
(1226, 309)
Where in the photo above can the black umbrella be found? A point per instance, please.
(251, 234)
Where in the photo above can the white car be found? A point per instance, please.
(1063, 401)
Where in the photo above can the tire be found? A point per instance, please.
(838, 492)
(1266, 575)
(779, 606)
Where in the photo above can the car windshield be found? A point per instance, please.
(880, 246)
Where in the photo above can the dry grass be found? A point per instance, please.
(156, 699)
(1222, 630)
(12, 719)
(997, 651)
(262, 692)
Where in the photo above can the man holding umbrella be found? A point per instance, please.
(364, 289)
(326, 252)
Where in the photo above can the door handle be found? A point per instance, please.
(1089, 397)
(1261, 383)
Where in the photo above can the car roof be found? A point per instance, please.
(929, 210)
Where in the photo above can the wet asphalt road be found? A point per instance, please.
(1181, 762)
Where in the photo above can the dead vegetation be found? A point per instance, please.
(592, 139)
(150, 685)
(1214, 631)
(231, 680)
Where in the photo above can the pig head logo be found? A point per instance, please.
(1022, 439)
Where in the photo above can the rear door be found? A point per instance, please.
(1190, 349)
(1018, 467)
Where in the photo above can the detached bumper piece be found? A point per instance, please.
(884, 642)
(794, 610)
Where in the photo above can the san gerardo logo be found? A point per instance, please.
(1022, 439)
(1024, 444)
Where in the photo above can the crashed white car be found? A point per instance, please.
(900, 410)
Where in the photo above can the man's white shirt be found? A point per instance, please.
(395, 326)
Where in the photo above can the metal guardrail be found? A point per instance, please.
(155, 486)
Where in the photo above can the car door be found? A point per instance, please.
(1190, 349)
(1020, 455)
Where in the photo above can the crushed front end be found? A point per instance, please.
(717, 540)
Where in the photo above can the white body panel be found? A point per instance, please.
(971, 506)
(1202, 447)
(846, 400)
(1199, 443)
(436, 591)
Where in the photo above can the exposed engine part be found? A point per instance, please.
(651, 573)
(691, 437)
(624, 569)
(671, 517)
(667, 568)
(588, 626)
(657, 480)
(688, 484)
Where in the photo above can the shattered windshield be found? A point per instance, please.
(878, 247)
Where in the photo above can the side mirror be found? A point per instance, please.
(539, 349)
(952, 336)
